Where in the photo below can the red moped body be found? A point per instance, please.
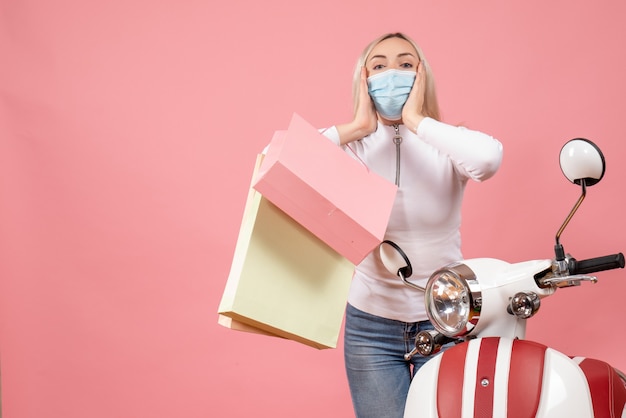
(513, 378)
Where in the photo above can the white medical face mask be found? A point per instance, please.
(389, 90)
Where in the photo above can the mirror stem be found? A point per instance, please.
(560, 254)
(410, 284)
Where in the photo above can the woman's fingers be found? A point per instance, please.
(366, 114)
(415, 101)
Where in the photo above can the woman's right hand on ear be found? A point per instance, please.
(365, 118)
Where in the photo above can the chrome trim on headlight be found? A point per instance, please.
(453, 300)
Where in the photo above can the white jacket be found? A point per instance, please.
(425, 220)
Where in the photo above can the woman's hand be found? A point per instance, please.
(365, 116)
(412, 112)
(365, 119)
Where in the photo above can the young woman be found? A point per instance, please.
(397, 133)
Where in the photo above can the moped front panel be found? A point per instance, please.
(499, 377)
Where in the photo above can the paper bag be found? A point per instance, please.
(240, 326)
(325, 190)
(284, 281)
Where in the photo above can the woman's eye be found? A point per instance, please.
(407, 65)
(378, 67)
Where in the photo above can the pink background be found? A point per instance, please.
(128, 130)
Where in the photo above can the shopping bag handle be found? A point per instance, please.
(321, 131)
(358, 158)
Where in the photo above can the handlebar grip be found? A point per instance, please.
(592, 265)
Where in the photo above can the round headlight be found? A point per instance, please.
(453, 300)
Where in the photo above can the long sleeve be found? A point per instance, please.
(475, 155)
(332, 134)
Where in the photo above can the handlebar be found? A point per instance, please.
(592, 265)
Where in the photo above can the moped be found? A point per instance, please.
(479, 308)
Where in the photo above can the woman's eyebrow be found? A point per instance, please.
(377, 56)
(402, 54)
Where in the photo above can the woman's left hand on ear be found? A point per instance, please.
(412, 112)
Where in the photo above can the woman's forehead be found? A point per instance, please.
(392, 47)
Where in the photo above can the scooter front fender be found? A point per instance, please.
(501, 377)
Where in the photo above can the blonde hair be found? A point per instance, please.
(431, 106)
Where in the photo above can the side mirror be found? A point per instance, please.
(582, 161)
(396, 262)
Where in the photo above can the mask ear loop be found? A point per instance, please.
(396, 262)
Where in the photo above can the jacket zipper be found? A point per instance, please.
(397, 139)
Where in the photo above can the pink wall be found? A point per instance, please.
(128, 130)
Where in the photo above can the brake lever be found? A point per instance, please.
(569, 280)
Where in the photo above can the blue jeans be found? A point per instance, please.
(378, 375)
